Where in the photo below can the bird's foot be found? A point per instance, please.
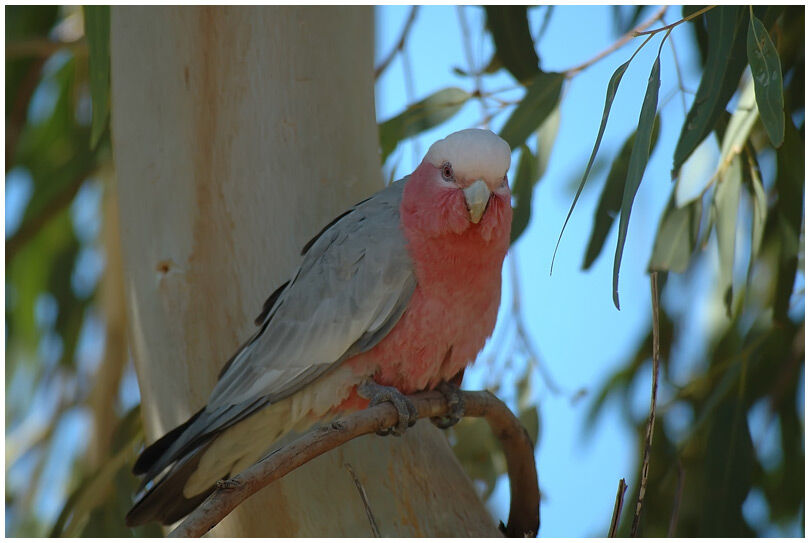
(377, 394)
(455, 402)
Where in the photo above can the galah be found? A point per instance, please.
(396, 295)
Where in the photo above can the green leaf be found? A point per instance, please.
(509, 26)
(760, 207)
(724, 64)
(611, 199)
(421, 116)
(639, 157)
(729, 468)
(676, 237)
(525, 179)
(739, 126)
(698, 172)
(97, 30)
(613, 86)
(546, 136)
(725, 205)
(789, 184)
(767, 71)
(542, 96)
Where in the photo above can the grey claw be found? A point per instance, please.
(377, 394)
(454, 401)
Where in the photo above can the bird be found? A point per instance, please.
(394, 296)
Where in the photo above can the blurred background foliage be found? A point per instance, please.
(738, 197)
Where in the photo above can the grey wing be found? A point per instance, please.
(352, 287)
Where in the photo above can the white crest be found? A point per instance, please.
(473, 153)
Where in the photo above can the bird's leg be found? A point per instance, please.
(450, 391)
(377, 394)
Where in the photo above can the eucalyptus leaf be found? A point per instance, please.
(790, 162)
(760, 207)
(525, 179)
(698, 172)
(613, 86)
(97, 30)
(766, 69)
(676, 237)
(423, 115)
(725, 206)
(610, 201)
(509, 26)
(726, 59)
(739, 125)
(729, 467)
(542, 96)
(639, 157)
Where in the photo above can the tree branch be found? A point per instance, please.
(637, 31)
(524, 513)
(645, 464)
(617, 508)
(400, 43)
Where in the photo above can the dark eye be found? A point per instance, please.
(447, 171)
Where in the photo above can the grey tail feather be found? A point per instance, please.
(165, 502)
(151, 454)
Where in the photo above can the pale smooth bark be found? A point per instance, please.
(238, 133)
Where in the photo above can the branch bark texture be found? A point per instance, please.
(524, 514)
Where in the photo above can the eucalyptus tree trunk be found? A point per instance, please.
(238, 133)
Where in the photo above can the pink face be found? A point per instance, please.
(438, 201)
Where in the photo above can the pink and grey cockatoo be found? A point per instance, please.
(395, 296)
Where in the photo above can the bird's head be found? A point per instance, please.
(461, 184)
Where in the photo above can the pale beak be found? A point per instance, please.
(477, 196)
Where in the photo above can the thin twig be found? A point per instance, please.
(30, 228)
(15, 117)
(678, 73)
(617, 508)
(676, 507)
(465, 40)
(571, 72)
(645, 464)
(400, 43)
(524, 512)
(676, 23)
(43, 48)
(363, 496)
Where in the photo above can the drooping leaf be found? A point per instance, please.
(729, 466)
(767, 72)
(97, 30)
(509, 26)
(525, 179)
(613, 86)
(542, 96)
(676, 237)
(698, 172)
(725, 62)
(760, 206)
(421, 116)
(546, 136)
(739, 126)
(790, 190)
(725, 205)
(639, 157)
(610, 200)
